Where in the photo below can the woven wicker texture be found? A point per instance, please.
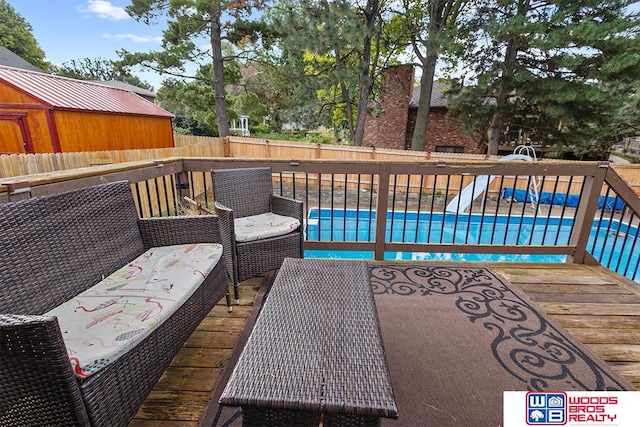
(316, 346)
(280, 417)
(52, 248)
(49, 238)
(243, 192)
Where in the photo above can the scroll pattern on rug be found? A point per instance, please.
(526, 343)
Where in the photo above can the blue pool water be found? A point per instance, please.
(326, 225)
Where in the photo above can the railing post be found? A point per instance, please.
(585, 214)
(18, 190)
(381, 210)
(182, 185)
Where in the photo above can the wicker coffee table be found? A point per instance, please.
(315, 353)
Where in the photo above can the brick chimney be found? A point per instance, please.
(386, 123)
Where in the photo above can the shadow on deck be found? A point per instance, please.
(596, 306)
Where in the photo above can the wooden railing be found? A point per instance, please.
(387, 208)
(241, 148)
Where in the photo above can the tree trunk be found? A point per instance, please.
(424, 104)
(502, 97)
(364, 79)
(345, 95)
(218, 73)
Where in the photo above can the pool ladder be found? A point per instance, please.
(534, 186)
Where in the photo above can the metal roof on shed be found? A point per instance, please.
(72, 94)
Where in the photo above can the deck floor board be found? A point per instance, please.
(597, 306)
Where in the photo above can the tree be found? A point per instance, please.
(273, 80)
(189, 100)
(341, 41)
(190, 23)
(16, 34)
(98, 69)
(558, 72)
(431, 33)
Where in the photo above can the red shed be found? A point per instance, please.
(41, 113)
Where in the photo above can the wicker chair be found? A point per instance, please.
(243, 193)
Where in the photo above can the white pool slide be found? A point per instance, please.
(463, 200)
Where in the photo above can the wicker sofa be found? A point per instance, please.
(56, 247)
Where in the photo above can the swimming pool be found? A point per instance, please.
(620, 254)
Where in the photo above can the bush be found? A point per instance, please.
(259, 128)
(321, 137)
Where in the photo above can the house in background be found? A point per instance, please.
(391, 123)
(10, 59)
(41, 113)
(146, 94)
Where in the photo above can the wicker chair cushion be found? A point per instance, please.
(263, 226)
(105, 321)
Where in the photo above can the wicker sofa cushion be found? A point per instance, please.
(105, 321)
(263, 226)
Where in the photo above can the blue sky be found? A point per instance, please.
(77, 29)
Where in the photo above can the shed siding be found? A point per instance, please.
(9, 95)
(91, 131)
(35, 120)
(39, 131)
(11, 141)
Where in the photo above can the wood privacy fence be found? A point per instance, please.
(29, 164)
(253, 148)
(277, 149)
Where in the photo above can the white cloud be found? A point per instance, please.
(133, 38)
(104, 10)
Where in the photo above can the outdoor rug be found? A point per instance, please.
(456, 337)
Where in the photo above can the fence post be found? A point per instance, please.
(585, 214)
(227, 146)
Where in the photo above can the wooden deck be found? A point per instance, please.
(599, 307)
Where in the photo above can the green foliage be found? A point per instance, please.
(249, 104)
(320, 137)
(342, 45)
(98, 69)
(435, 33)
(260, 129)
(282, 136)
(16, 34)
(326, 34)
(568, 80)
(188, 99)
(192, 24)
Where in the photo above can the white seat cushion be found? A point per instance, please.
(263, 226)
(104, 322)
